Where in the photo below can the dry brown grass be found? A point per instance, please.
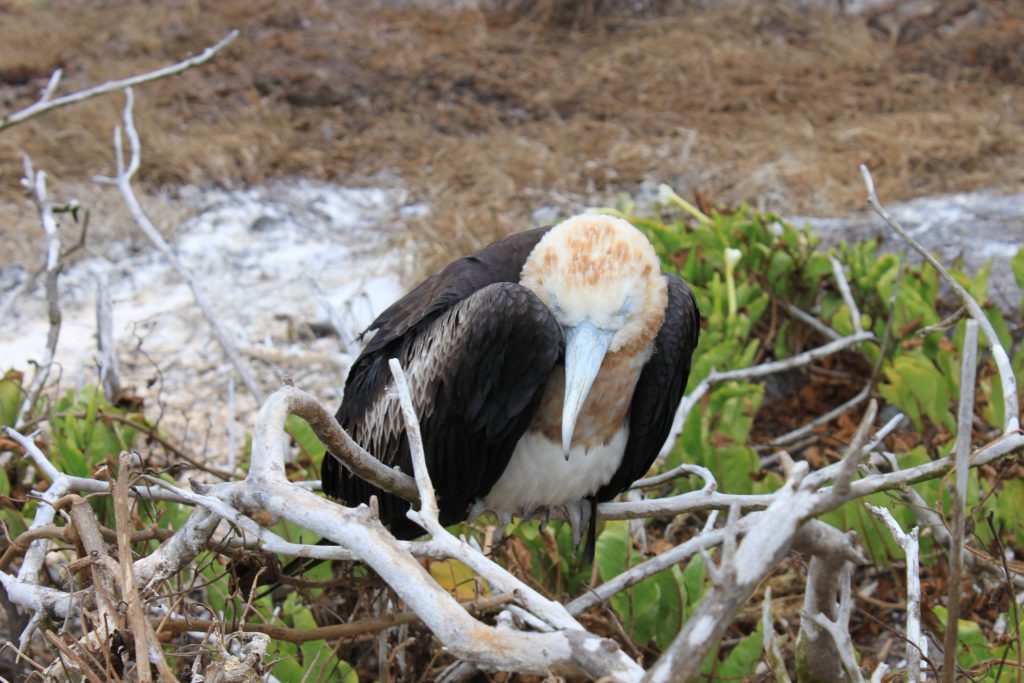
(488, 119)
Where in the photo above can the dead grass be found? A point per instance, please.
(489, 119)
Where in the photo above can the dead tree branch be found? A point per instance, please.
(123, 182)
(35, 183)
(968, 369)
(106, 347)
(999, 354)
(48, 103)
(917, 644)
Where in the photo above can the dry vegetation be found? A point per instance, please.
(490, 117)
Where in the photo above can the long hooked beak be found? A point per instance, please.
(585, 347)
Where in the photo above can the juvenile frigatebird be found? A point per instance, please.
(545, 369)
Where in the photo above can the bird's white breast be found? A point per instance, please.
(539, 475)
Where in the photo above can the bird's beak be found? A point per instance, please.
(585, 346)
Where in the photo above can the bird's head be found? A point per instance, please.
(602, 281)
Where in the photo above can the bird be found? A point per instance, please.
(545, 370)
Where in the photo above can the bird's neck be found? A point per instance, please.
(606, 409)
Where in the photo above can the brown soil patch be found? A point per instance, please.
(488, 119)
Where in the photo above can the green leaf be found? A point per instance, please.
(673, 604)
(303, 434)
(1017, 265)
(10, 398)
(744, 657)
(694, 581)
(779, 269)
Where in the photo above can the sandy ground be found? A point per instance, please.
(265, 296)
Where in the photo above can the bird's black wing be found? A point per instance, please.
(659, 389)
(501, 261)
(477, 348)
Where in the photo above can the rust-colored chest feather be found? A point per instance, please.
(606, 409)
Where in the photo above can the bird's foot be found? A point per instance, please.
(545, 518)
(478, 508)
(504, 519)
(578, 513)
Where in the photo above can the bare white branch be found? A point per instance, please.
(123, 183)
(844, 291)
(839, 629)
(821, 653)
(825, 418)
(106, 347)
(755, 372)
(35, 182)
(812, 322)
(427, 517)
(999, 354)
(704, 473)
(770, 641)
(80, 484)
(47, 103)
(567, 651)
(965, 424)
(917, 644)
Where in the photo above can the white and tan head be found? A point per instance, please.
(603, 269)
(602, 280)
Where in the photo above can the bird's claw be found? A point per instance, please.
(504, 519)
(578, 512)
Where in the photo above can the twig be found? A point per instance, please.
(107, 350)
(657, 480)
(855, 451)
(770, 641)
(123, 182)
(800, 432)
(290, 400)
(762, 370)
(839, 628)
(35, 182)
(844, 291)
(144, 651)
(917, 644)
(965, 421)
(349, 629)
(88, 528)
(345, 338)
(177, 551)
(809, 320)
(80, 484)
(999, 355)
(47, 103)
(944, 324)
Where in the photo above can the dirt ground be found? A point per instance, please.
(497, 120)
